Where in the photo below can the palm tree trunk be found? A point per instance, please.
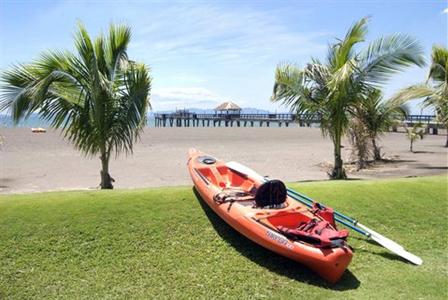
(376, 150)
(106, 180)
(446, 144)
(410, 147)
(338, 171)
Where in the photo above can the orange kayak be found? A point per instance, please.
(261, 210)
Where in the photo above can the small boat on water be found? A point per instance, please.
(38, 130)
(262, 211)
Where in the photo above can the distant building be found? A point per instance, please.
(228, 108)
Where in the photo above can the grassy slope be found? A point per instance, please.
(164, 242)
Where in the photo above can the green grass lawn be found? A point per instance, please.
(165, 243)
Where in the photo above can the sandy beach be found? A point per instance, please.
(42, 162)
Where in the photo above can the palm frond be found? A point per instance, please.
(389, 55)
(118, 41)
(342, 51)
(134, 101)
(438, 70)
(290, 86)
(16, 92)
(416, 91)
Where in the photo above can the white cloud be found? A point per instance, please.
(217, 48)
(185, 97)
(445, 11)
(221, 36)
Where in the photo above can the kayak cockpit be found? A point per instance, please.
(223, 177)
(235, 187)
(299, 225)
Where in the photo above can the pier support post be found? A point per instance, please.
(435, 130)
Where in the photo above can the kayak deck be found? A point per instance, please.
(232, 196)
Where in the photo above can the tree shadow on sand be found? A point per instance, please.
(270, 260)
(433, 167)
(417, 152)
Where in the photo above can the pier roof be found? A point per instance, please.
(227, 106)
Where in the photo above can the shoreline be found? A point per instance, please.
(45, 162)
(124, 189)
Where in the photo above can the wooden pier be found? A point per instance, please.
(189, 119)
(428, 121)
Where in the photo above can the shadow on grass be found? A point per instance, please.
(270, 260)
(328, 179)
(385, 254)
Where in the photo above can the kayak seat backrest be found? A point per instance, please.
(270, 193)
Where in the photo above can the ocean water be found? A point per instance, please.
(35, 121)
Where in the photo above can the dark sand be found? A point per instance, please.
(41, 162)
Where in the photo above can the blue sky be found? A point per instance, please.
(204, 52)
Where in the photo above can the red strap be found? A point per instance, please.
(315, 231)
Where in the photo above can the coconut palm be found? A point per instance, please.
(377, 116)
(435, 89)
(96, 96)
(359, 138)
(414, 133)
(334, 88)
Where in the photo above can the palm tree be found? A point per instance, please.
(414, 133)
(378, 115)
(97, 96)
(333, 89)
(435, 89)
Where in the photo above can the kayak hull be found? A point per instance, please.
(257, 224)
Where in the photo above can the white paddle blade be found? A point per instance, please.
(399, 250)
(233, 165)
(371, 232)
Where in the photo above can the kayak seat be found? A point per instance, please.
(271, 193)
(233, 195)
